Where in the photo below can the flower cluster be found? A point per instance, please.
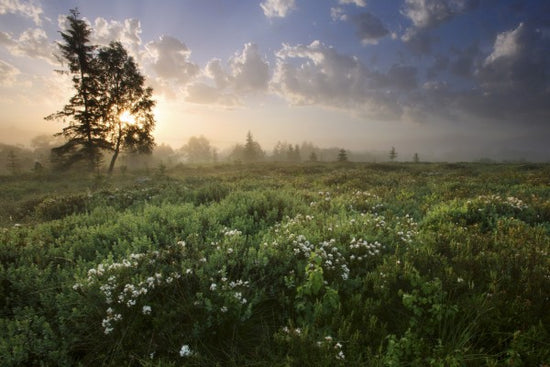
(510, 201)
(106, 323)
(361, 249)
(329, 342)
(332, 258)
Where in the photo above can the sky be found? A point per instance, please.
(447, 79)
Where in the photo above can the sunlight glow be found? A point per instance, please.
(127, 118)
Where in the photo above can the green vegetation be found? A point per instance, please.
(278, 265)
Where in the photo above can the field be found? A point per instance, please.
(278, 265)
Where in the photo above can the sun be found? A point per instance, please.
(127, 118)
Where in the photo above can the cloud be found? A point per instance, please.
(202, 93)
(369, 28)
(8, 73)
(360, 3)
(507, 45)
(247, 72)
(338, 14)
(32, 43)
(127, 32)
(169, 59)
(277, 8)
(427, 14)
(519, 61)
(316, 74)
(28, 9)
(430, 13)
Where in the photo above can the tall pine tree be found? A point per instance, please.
(85, 134)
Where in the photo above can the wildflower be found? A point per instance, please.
(146, 310)
(188, 271)
(340, 356)
(213, 286)
(223, 309)
(185, 351)
(459, 280)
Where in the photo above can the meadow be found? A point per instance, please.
(348, 264)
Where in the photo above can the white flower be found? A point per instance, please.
(185, 351)
(223, 309)
(213, 286)
(146, 310)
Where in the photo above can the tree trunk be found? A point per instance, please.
(117, 150)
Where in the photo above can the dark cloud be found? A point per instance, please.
(369, 28)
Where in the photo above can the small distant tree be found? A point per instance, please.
(313, 157)
(252, 151)
(198, 150)
(415, 158)
(13, 163)
(392, 154)
(342, 155)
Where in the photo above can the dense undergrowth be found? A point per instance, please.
(278, 265)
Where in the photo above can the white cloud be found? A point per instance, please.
(317, 74)
(32, 43)
(247, 72)
(507, 44)
(29, 9)
(202, 93)
(8, 73)
(425, 14)
(338, 14)
(360, 3)
(277, 8)
(127, 32)
(169, 59)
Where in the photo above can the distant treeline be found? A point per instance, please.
(198, 150)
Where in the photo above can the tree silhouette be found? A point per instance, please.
(126, 105)
(111, 108)
(416, 159)
(252, 151)
(198, 150)
(13, 163)
(85, 134)
(392, 154)
(342, 155)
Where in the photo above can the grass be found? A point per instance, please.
(278, 264)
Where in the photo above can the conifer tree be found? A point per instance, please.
(392, 154)
(342, 156)
(85, 134)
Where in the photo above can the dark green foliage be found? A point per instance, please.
(325, 265)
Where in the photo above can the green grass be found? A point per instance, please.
(278, 265)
